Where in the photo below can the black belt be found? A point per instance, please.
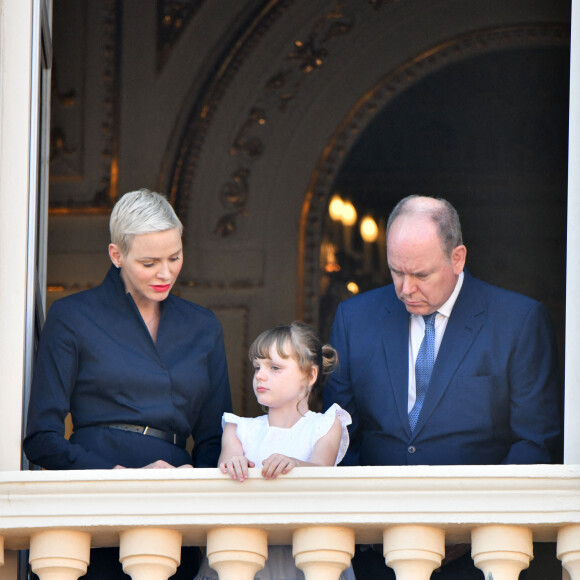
(151, 431)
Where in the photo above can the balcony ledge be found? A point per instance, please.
(456, 499)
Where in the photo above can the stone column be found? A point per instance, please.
(150, 553)
(568, 549)
(572, 363)
(503, 551)
(237, 553)
(323, 552)
(15, 112)
(413, 552)
(60, 554)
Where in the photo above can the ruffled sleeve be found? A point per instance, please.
(326, 422)
(241, 423)
(230, 418)
(248, 429)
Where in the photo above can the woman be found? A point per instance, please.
(139, 369)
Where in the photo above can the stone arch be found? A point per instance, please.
(371, 104)
(262, 135)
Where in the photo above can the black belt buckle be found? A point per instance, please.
(173, 438)
(169, 437)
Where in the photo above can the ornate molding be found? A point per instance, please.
(111, 103)
(204, 109)
(173, 16)
(378, 4)
(197, 284)
(305, 57)
(243, 340)
(107, 194)
(385, 90)
(220, 284)
(279, 90)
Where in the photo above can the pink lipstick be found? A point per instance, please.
(161, 287)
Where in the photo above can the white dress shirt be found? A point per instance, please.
(417, 332)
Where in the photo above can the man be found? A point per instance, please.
(483, 389)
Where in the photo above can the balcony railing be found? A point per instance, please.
(413, 511)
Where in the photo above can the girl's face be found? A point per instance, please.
(279, 383)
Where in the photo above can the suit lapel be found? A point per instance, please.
(395, 335)
(464, 324)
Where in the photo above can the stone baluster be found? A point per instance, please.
(569, 549)
(150, 553)
(323, 552)
(59, 554)
(501, 550)
(237, 553)
(413, 551)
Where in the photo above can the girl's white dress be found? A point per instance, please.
(259, 441)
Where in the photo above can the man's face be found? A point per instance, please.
(423, 275)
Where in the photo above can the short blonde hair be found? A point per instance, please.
(141, 212)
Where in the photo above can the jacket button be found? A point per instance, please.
(411, 449)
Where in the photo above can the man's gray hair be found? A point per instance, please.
(442, 214)
(141, 212)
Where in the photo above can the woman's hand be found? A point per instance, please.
(159, 464)
(237, 467)
(278, 464)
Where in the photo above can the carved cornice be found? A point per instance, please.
(374, 101)
(279, 90)
(243, 340)
(111, 103)
(107, 194)
(197, 284)
(305, 56)
(205, 107)
(172, 19)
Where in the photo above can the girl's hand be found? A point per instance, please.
(237, 467)
(278, 464)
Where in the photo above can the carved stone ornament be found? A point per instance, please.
(173, 17)
(304, 57)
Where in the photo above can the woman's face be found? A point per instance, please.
(151, 266)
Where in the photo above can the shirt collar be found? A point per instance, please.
(448, 306)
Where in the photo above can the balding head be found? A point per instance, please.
(437, 210)
(424, 252)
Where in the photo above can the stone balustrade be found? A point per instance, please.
(413, 511)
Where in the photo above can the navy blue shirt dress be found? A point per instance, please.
(97, 360)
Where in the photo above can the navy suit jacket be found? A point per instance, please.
(494, 395)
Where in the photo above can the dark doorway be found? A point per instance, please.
(490, 134)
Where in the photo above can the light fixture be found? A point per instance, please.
(335, 208)
(348, 214)
(352, 287)
(369, 230)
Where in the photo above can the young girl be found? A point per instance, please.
(289, 364)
